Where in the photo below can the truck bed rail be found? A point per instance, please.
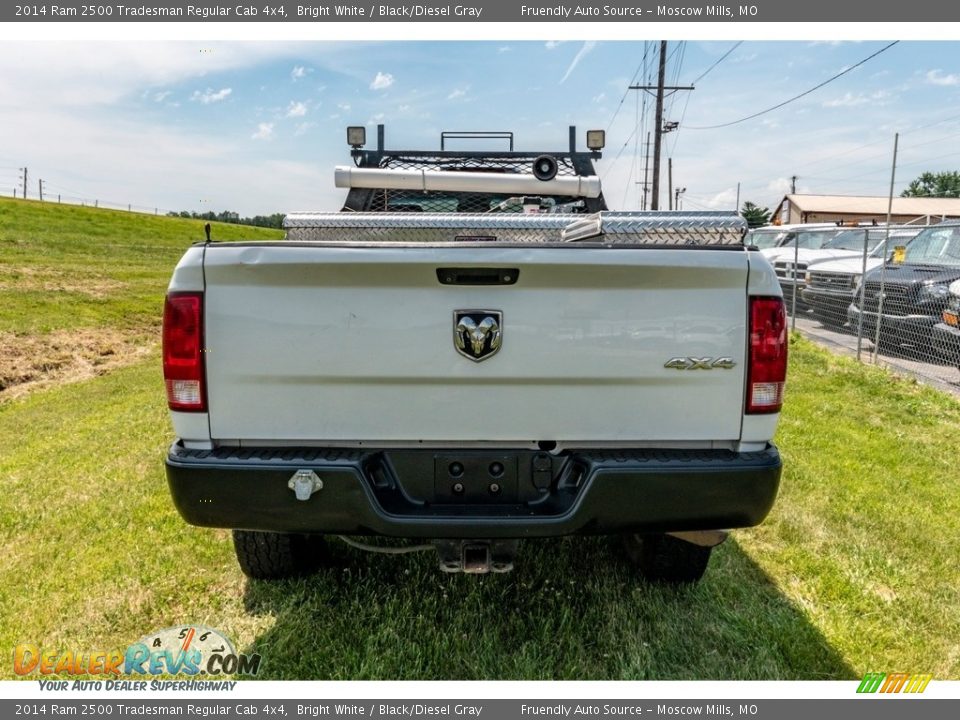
(607, 228)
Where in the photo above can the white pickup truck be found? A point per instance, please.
(476, 379)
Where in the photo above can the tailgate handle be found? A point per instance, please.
(477, 276)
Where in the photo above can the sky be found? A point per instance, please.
(257, 128)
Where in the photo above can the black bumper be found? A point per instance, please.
(397, 493)
(832, 301)
(946, 340)
(895, 329)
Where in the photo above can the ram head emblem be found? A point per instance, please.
(477, 334)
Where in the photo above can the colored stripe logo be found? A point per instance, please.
(894, 683)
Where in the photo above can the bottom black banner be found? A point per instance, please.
(873, 707)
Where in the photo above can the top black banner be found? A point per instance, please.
(481, 11)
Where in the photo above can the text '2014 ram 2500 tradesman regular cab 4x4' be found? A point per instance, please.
(473, 354)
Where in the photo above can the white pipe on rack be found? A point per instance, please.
(457, 181)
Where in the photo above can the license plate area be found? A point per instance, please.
(474, 478)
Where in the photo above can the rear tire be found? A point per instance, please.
(664, 558)
(273, 556)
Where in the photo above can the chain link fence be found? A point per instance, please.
(888, 295)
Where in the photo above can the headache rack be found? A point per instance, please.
(426, 181)
(684, 229)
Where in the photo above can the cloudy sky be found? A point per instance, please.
(258, 127)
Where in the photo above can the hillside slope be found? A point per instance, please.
(81, 289)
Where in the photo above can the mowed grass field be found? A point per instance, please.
(81, 289)
(855, 570)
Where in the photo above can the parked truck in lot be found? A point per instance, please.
(831, 283)
(520, 364)
(908, 298)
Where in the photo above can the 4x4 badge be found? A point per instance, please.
(477, 334)
(704, 363)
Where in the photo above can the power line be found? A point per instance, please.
(624, 147)
(832, 156)
(797, 97)
(686, 103)
(676, 78)
(722, 58)
(642, 65)
(933, 159)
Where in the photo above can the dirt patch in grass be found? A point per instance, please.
(47, 279)
(31, 362)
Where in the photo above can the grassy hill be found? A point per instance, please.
(81, 289)
(63, 266)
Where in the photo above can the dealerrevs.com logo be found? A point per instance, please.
(894, 683)
(191, 650)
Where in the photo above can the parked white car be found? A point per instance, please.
(791, 262)
(830, 284)
(773, 236)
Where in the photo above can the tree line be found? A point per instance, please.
(227, 216)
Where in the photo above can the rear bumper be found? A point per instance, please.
(595, 492)
(834, 301)
(946, 339)
(900, 329)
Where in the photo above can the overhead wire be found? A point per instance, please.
(686, 102)
(797, 97)
(675, 79)
(641, 65)
(833, 155)
(905, 149)
(722, 58)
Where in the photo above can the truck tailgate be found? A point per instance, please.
(313, 343)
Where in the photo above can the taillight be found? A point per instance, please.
(767, 368)
(183, 351)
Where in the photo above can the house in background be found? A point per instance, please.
(863, 210)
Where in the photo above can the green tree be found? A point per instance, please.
(941, 184)
(754, 215)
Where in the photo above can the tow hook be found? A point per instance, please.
(476, 557)
(305, 483)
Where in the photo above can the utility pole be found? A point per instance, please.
(659, 128)
(737, 206)
(646, 172)
(670, 183)
(24, 170)
(40, 185)
(793, 185)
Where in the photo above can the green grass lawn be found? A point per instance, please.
(64, 266)
(854, 571)
(81, 289)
